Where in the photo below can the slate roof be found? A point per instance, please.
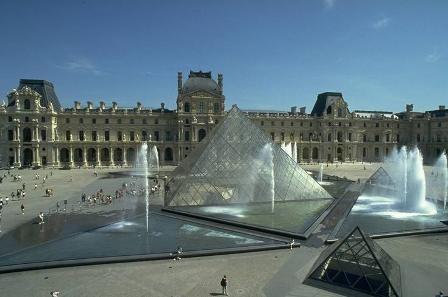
(323, 100)
(45, 89)
(200, 81)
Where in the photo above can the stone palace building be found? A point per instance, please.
(37, 131)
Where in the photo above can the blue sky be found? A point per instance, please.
(273, 54)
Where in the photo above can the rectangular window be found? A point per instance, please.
(81, 121)
(43, 135)
(349, 136)
(93, 121)
(67, 135)
(168, 136)
(201, 107)
(67, 120)
(132, 136)
(43, 119)
(144, 121)
(10, 135)
(282, 135)
(387, 137)
(81, 135)
(216, 107)
(398, 137)
(9, 119)
(156, 121)
(187, 135)
(106, 121)
(118, 121)
(120, 136)
(144, 135)
(94, 136)
(106, 136)
(273, 136)
(131, 121)
(156, 136)
(262, 123)
(377, 138)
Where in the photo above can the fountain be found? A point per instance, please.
(321, 173)
(440, 179)
(267, 166)
(148, 159)
(406, 169)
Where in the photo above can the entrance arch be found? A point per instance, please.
(201, 134)
(118, 155)
(339, 154)
(77, 157)
(315, 154)
(91, 156)
(305, 154)
(105, 157)
(168, 154)
(130, 155)
(64, 155)
(27, 157)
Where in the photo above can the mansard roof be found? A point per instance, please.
(44, 88)
(322, 102)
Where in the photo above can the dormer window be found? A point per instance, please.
(26, 104)
(329, 109)
(187, 107)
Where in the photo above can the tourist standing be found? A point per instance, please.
(41, 218)
(22, 207)
(23, 186)
(224, 285)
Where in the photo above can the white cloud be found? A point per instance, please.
(433, 57)
(328, 4)
(381, 23)
(82, 65)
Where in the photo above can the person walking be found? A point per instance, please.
(22, 207)
(23, 186)
(224, 285)
(41, 218)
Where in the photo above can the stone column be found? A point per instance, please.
(98, 159)
(17, 157)
(36, 159)
(84, 156)
(71, 157)
(56, 156)
(36, 133)
(111, 156)
(125, 162)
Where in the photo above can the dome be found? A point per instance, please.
(200, 81)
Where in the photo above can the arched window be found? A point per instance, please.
(187, 107)
(329, 109)
(26, 104)
(144, 136)
(64, 155)
(168, 154)
(201, 134)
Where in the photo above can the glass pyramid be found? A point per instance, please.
(238, 163)
(358, 263)
(381, 177)
(238, 174)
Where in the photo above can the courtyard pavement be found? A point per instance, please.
(423, 259)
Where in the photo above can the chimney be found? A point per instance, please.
(409, 107)
(220, 83)
(139, 106)
(293, 109)
(442, 107)
(77, 105)
(89, 105)
(303, 110)
(162, 107)
(179, 82)
(102, 105)
(114, 106)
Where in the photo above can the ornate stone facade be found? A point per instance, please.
(37, 131)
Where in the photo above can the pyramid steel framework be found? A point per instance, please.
(226, 167)
(381, 177)
(358, 263)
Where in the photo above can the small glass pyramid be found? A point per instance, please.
(358, 263)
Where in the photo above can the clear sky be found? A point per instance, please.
(273, 54)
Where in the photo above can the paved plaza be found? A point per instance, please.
(423, 259)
